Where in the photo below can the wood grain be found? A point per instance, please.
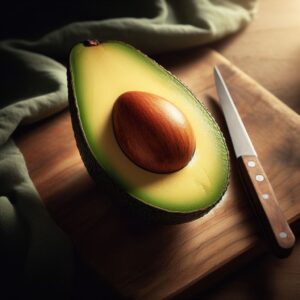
(268, 49)
(154, 262)
(265, 205)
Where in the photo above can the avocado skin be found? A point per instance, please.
(131, 205)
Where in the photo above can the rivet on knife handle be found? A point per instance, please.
(266, 206)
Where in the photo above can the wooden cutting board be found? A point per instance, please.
(155, 262)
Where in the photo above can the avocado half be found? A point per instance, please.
(98, 73)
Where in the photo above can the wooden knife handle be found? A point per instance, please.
(264, 202)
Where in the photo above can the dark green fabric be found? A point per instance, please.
(35, 254)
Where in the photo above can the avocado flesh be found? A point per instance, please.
(99, 75)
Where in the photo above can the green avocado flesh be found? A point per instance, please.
(99, 74)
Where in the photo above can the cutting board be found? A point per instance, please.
(152, 261)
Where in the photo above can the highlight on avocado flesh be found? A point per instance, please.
(103, 75)
(152, 132)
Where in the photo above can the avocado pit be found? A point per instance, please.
(152, 132)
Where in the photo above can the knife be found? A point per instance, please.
(261, 195)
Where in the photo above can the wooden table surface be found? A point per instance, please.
(269, 51)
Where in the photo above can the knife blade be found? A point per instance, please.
(258, 187)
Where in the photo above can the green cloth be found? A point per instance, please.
(34, 252)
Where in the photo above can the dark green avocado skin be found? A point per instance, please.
(122, 200)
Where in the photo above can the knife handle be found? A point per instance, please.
(265, 204)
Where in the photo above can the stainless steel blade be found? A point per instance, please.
(239, 136)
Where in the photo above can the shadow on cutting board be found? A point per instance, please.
(88, 284)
